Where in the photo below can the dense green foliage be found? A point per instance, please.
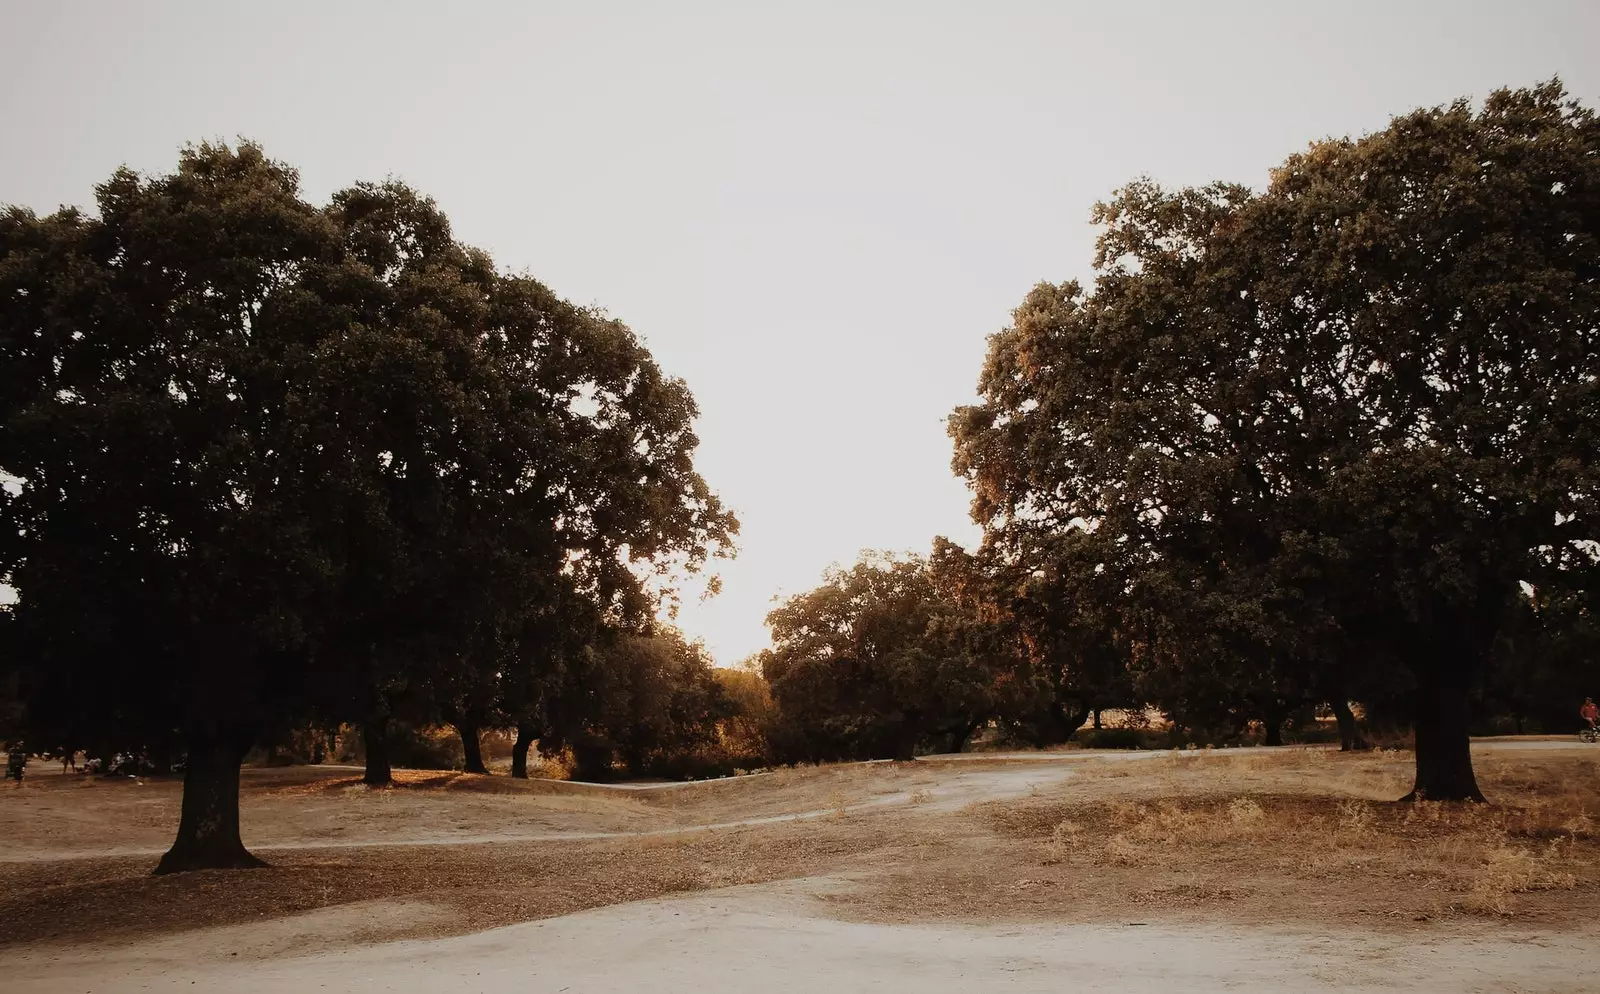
(650, 703)
(275, 462)
(880, 658)
(1319, 434)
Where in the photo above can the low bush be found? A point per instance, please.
(1121, 738)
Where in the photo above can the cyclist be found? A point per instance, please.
(1590, 713)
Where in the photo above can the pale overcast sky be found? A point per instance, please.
(814, 213)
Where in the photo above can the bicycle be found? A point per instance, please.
(1590, 734)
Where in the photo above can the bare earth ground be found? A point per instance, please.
(1273, 869)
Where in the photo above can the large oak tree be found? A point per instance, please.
(1342, 417)
(272, 462)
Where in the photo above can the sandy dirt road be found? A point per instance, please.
(929, 880)
(779, 938)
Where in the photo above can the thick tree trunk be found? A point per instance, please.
(1096, 714)
(1444, 745)
(208, 829)
(1272, 724)
(519, 752)
(1062, 723)
(472, 748)
(1350, 739)
(375, 736)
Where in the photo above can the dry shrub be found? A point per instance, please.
(1064, 838)
(1507, 869)
(1356, 819)
(1245, 813)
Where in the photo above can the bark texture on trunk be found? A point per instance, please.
(1350, 739)
(1444, 745)
(375, 736)
(471, 748)
(208, 829)
(519, 752)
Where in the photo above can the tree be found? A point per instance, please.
(1064, 629)
(649, 700)
(1545, 661)
(1340, 419)
(278, 463)
(875, 661)
(151, 362)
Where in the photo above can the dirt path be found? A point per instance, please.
(778, 938)
(1123, 872)
(941, 783)
(947, 789)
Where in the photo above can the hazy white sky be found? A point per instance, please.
(812, 212)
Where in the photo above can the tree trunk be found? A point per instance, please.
(472, 748)
(1062, 723)
(519, 752)
(375, 735)
(1350, 739)
(1272, 724)
(1444, 745)
(208, 829)
(958, 738)
(1096, 714)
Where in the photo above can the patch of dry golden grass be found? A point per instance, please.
(1434, 858)
(1293, 837)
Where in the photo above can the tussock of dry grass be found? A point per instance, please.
(1463, 858)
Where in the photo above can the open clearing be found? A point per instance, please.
(1273, 869)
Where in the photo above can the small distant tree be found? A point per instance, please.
(746, 732)
(875, 661)
(653, 702)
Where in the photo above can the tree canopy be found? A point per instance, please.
(879, 658)
(276, 460)
(1327, 426)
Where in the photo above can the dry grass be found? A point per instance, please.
(1233, 835)
(1288, 838)
(473, 886)
(1478, 855)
